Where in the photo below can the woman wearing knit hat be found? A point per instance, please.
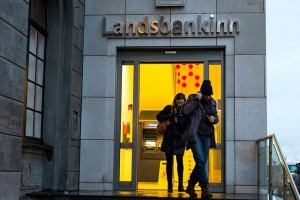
(202, 109)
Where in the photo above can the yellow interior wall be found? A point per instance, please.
(159, 83)
(156, 86)
(215, 78)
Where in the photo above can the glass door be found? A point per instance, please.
(148, 81)
(126, 124)
(158, 84)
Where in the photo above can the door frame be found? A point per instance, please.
(137, 55)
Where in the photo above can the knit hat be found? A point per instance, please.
(206, 88)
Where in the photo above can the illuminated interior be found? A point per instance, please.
(215, 155)
(126, 119)
(158, 84)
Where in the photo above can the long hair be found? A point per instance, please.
(177, 97)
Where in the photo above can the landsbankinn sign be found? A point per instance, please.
(161, 26)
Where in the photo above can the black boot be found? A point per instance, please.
(205, 194)
(180, 186)
(170, 186)
(191, 189)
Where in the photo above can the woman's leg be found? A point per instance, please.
(169, 169)
(179, 159)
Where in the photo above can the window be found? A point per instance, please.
(35, 69)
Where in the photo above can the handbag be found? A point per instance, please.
(162, 127)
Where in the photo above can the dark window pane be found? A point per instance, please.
(33, 40)
(40, 72)
(37, 125)
(30, 95)
(31, 67)
(38, 98)
(29, 123)
(41, 46)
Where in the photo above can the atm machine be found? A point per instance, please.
(151, 160)
(149, 144)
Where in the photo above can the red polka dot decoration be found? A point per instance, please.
(187, 74)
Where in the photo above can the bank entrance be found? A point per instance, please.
(148, 80)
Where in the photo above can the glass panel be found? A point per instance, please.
(125, 164)
(41, 45)
(215, 77)
(33, 40)
(277, 179)
(37, 125)
(277, 175)
(126, 122)
(40, 72)
(38, 98)
(31, 67)
(29, 123)
(215, 158)
(30, 95)
(281, 187)
(263, 168)
(127, 102)
(215, 166)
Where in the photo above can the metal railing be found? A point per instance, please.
(273, 176)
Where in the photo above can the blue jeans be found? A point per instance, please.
(200, 149)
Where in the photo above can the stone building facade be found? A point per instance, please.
(87, 43)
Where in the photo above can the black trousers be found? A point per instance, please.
(169, 167)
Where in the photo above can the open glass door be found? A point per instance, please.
(158, 84)
(146, 85)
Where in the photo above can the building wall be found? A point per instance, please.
(25, 166)
(13, 40)
(245, 83)
(53, 163)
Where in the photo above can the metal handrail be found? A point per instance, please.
(273, 141)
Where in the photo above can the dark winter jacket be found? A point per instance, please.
(194, 109)
(173, 140)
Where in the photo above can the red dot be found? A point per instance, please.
(197, 77)
(178, 74)
(183, 77)
(191, 73)
(177, 66)
(197, 84)
(178, 81)
(191, 66)
(183, 84)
